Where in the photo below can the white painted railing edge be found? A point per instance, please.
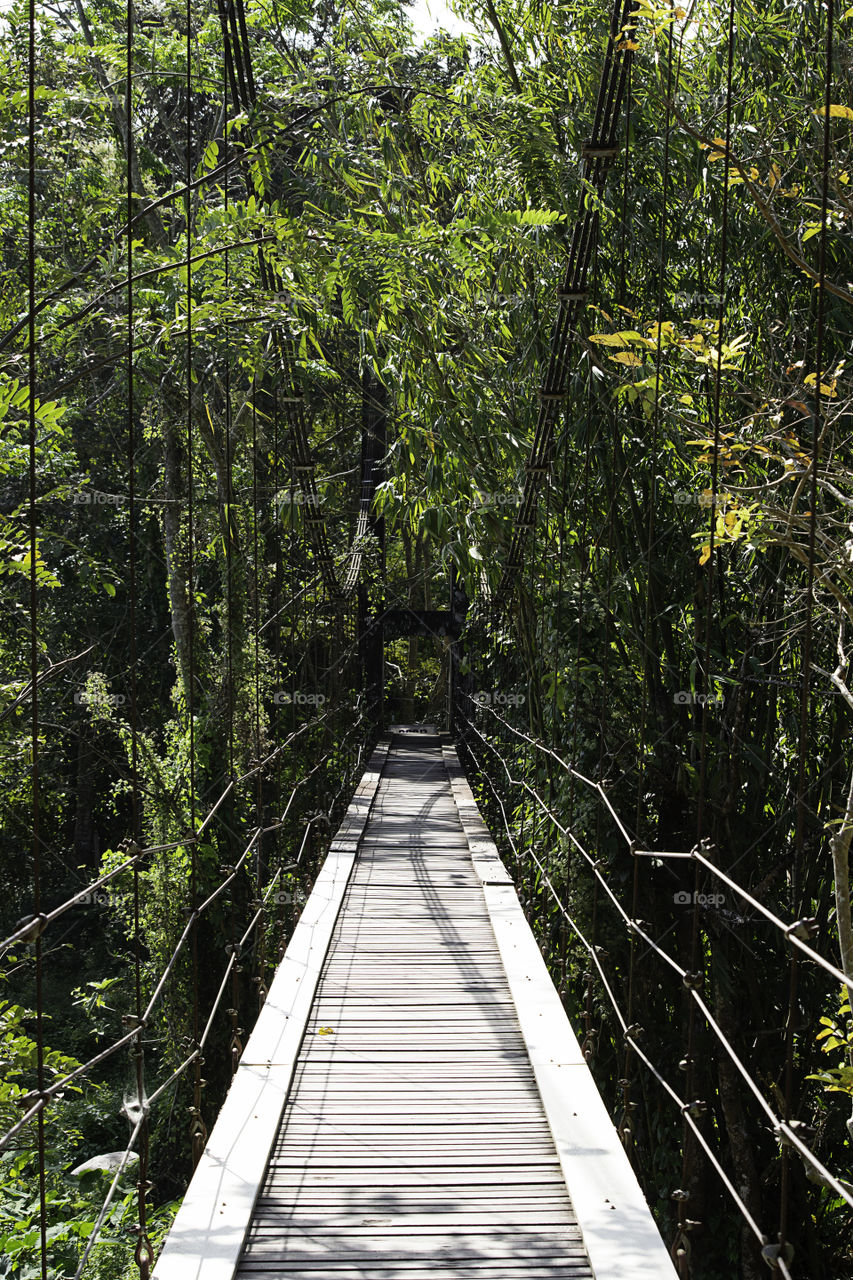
(620, 1234)
(207, 1235)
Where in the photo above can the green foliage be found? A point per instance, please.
(837, 1035)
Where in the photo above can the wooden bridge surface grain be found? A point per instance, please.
(414, 1142)
(413, 1102)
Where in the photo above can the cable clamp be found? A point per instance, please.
(786, 1130)
(805, 1132)
(803, 929)
(771, 1253)
(33, 926)
(25, 1100)
(693, 981)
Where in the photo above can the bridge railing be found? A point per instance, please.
(552, 858)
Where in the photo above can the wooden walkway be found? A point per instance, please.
(411, 1138)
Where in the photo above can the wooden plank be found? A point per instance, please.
(422, 1162)
(293, 1180)
(417, 1269)
(494, 1204)
(291, 1246)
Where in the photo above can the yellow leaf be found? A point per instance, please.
(325, 1031)
(608, 340)
(667, 329)
(706, 554)
(775, 176)
(627, 357)
(836, 109)
(826, 389)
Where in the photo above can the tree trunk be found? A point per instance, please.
(179, 600)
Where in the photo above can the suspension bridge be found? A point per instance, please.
(426, 1031)
(412, 1100)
